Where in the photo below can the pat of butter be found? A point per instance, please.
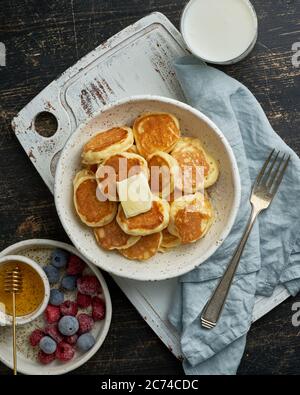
(135, 195)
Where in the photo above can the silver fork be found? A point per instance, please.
(263, 192)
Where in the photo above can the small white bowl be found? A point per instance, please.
(6, 319)
(40, 250)
(225, 193)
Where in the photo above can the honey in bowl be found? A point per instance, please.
(33, 290)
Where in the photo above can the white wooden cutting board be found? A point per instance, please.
(138, 60)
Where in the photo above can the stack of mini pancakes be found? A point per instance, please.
(174, 217)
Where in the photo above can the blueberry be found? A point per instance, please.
(56, 297)
(48, 345)
(85, 342)
(69, 283)
(59, 258)
(68, 325)
(52, 274)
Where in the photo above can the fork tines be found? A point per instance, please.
(272, 171)
(207, 324)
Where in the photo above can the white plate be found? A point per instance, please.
(225, 194)
(39, 250)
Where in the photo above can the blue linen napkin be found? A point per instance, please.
(272, 254)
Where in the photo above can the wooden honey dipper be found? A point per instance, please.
(13, 284)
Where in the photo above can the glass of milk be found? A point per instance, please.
(219, 31)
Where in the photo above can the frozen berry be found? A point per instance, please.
(44, 358)
(85, 342)
(64, 352)
(86, 323)
(83, 301)
(71, 339)
(68, 325)
(52, 273)
(52, 314)
(75, 265)
(69, 283)
(35, 337)
(98, 308)
(56, 297)
(59, 258)
(69, 308)
(48, 345)
(52, 331)
(88, 285)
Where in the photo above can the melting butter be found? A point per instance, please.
(135, 195)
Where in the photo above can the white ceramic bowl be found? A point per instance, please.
(7, 319)
(225, 194)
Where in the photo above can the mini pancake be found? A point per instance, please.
(176, 194)
(133, 149)
(107, 143)
(156, 132)
(125, 165)
(190, 152)
(111, 237)
(152, 221)
(168, 241)
(91, 211)
(163, 171)
(144, 249)
(191, 217)
(92, 168)
(122, 166)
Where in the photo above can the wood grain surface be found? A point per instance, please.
(42, 39)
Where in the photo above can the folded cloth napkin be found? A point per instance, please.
(272, 254)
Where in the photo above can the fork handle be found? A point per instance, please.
(213, 309)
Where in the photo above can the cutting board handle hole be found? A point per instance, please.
(45, 124)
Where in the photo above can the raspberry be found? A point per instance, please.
(69, 308)
(44, 358)
(64, 352)
(35, 337)
(52, 331)
(75, 265)
(98, 308)
(86, 323)
(88, 285)
(52, 314)
(71, 339)
(83, 301)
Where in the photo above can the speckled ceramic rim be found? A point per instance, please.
(236, 191)
(32, 316)
(71, 365)
(226, 62)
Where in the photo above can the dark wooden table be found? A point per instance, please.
(42, 39)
